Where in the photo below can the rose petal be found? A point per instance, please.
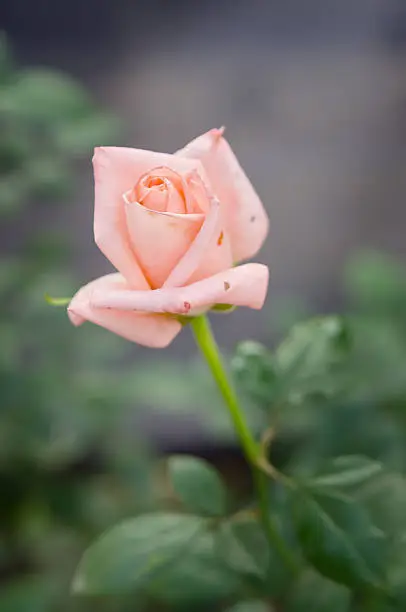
(153, 198)
(162, 172)
(155, 331)
(246, 218)
(244, 285)
(210, 252)
(196, 194)
(162, 190)
(117, 170)
(160, 239)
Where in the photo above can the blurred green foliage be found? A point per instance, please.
(70, 462)
(333, 393)
(46, 121)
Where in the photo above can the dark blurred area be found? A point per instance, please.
(313, 95)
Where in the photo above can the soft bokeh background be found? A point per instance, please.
(313, 95)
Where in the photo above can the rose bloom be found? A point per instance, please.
(173, 226)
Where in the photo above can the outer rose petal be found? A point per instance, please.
(118, 169)
(155, 331)
(246, 217)
(244, 285)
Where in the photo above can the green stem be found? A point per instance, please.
(210, 351)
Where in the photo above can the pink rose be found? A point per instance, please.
(173, 226)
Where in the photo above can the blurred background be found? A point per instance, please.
(313, 96)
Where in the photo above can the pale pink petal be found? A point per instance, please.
(197, 194)
(110, 227)
(157, 174)
(157, 301)
(154, 198)
(162, 190)
(153, 330)
(244, 285)
(246, 217)
(217, 256)
(209, 253)
(175, 202)
(117, 170)
(160, 239)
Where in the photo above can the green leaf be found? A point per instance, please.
(198, 485)
(253, 605)
(338, 538)
(385, 500)
(307, 362)
(128, 556)
(56, 301)
(223, 308)
(397, 571)
(347, 472)
(243, 547)
(254, 370)
(314, 593)
(197, 576)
